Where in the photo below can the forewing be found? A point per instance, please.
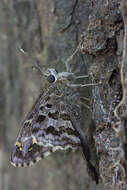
(46, 129)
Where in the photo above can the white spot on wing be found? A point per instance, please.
(13, 164)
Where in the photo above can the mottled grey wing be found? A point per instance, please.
(46, 129)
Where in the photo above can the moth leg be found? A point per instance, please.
(84, 105)
(84, 98)
(83, 85)
(82, 76)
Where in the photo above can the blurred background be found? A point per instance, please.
(49, 31)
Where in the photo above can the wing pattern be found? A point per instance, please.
(47, 128)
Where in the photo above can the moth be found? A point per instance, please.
(54, 123)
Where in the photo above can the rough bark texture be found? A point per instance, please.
(50, 31)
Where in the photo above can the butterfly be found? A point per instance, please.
(52, 124)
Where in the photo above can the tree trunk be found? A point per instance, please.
(50, 32)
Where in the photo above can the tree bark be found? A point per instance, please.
(50, 31)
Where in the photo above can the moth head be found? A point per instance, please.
(53, 76)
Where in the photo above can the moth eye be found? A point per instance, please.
(49, 105)
(51, 78)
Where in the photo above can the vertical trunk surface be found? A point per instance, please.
(50, 31)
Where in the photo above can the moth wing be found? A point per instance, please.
(47, 128)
